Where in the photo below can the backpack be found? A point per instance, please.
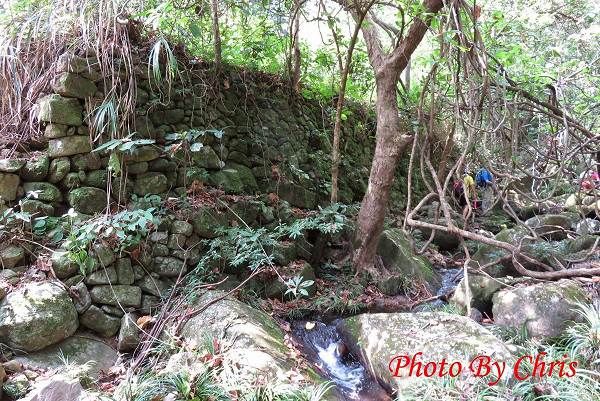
(483, 178)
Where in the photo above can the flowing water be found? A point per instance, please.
(323, 345)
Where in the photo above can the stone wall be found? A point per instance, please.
(269, 145)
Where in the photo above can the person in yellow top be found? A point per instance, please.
(469, 187)
(470, 195)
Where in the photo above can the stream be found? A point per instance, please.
(323, 345)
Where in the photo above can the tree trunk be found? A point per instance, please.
(391, 141)
(296, 51)
(337, 127)
(216, 36)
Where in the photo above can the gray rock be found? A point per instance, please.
(150, 183)
(160, 237)
(85, 352)
(68, 146)
(101, 276)
(256, 344)
(117, 295)
(57, 109)
(176, 241)
(37, 315)
(9, 183)
(16, 386)
(81, 298)
(11, 165)
(58, 388)
(36, 207)
(53, 131)
(380, 337)
(36, 169)
(143, 154)
(207, 158)
(105, 254)
(72, 85)
(129, 335)
(401, 264)
(544, 310)
(97, 178)
(11, 256)
(87, 161)
(125, 274)
(63, 266)
(139, 272)
(113, 310)
(552, 226)
(588, 226)
(43, 191)
(168, 267)
(150, 304)
(160, 250)
(153, 286)
(137, 168)
(59, 168)
(182, 227)
(88, 200)
(95, 319)
(206, 221)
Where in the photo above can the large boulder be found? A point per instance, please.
(69, 146)
(86, 352)
(37, 315)
(552, 226)
(490, 256)
(72, 85)
(381, 337)
(401, 264)
(255, 343)
(544, 310)
(88, 200)
(57, 109)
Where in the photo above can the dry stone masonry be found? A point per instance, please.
(268, 145)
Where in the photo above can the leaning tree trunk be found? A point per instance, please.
(391, 141)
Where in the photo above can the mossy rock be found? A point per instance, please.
(43, 191)
(96, 178)
(36, 207)
(380, 337)
(150, 183)
(62, 110)
(9, 183)
(88, 200)
(36, 169)
(404, 268)
(37, 315)
(544, 309)
(73, 85)
(86, 353)
(207, 220)
(59, 168)
(256, 344)
(69, 146)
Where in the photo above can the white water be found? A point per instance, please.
(348, 376)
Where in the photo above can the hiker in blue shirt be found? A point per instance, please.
(485, 180)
